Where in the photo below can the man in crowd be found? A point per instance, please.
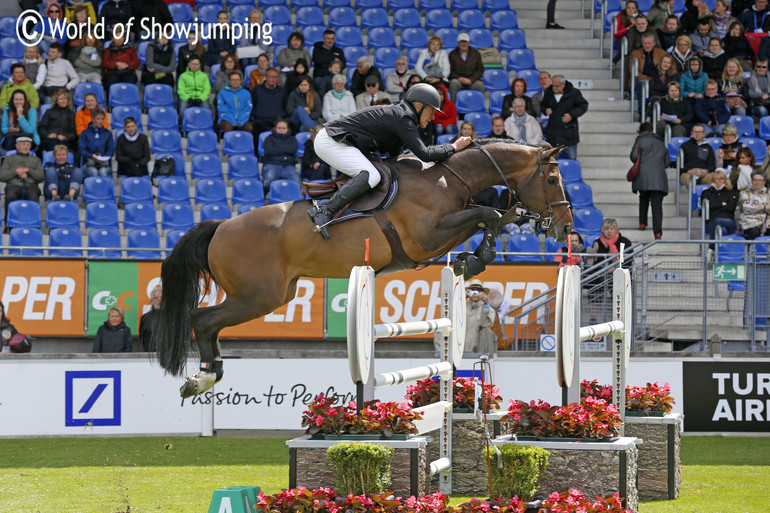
(22, 174)
(371, 95)
(324, 52)
(19, 82)
(395, 82)
(194, 87)
(364, 70)
(234, 105)
(269, 103)
(56, 73)
(563, 104)
(466, 67)
(699, 159)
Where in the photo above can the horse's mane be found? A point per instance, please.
(484, 141)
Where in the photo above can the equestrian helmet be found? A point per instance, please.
(425, 94)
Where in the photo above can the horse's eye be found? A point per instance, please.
(553, 181)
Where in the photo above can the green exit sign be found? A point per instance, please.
(730, 272)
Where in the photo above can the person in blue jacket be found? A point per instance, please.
(96, 147)
(234, 105)
(712, 109)
(280, 162)
(19, 120)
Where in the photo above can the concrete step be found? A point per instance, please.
(668, 305)
(591, 64)
(589, 161)
(694, 334)
(606, 116)
(552, 43)
(565, 8)
(592, 147)
(552, 53)
(574, 27)
(693, 321)
(591, 127)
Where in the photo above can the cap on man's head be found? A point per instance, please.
(371, 80)
(24, 139)
(463, 37)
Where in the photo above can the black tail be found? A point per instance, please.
(181, 275)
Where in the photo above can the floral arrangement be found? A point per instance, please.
(574, 501)
(427, 391)
(324, 416)
(590, 418)
(651, 397)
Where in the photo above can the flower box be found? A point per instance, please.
(358, 438)
(630, 413)
(565, 439)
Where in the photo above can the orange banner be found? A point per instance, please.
(45, 297)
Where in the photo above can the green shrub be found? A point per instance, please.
(361, 468)
(520, 475)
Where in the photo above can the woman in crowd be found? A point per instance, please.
(722, 18)
(737, 46)
(288, 56)
(160, 63)
(58, 123)
(83, 116)
(338, 102)
(87, 60)
(279, 160)
(229, 63)
(444, 120)
(132, 150)
(740, 175)
(652, 182)
(304, 106)
(666, 73)
(658, 13)
(693, 81)
(19, 120)
(754, 205)
(432, 64)
(605, 247)
(722, 202)
(113, 336)
(726, 154)
(577, 247)
(32, 62)
(466, 130)
(194, 47)
(733, 86)
(625, 19)
(259, 74)
(682, 53)
(714, 59)
(675, 112)
(313, 168)
(518, 90)
(694, 10)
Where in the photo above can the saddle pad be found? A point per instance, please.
(351, 213)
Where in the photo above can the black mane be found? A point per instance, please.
(494, 140)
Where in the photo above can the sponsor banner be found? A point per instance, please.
(727, 396)
(112, 284)
(336, 308)
(45, 297)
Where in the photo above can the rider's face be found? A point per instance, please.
(427, 116)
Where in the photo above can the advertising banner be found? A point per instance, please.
(336, 308)
(45, 297)
(112, 284)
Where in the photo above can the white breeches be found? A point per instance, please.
(345, 159)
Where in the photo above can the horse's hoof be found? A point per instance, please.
(473, 267)
(459, 265)
(198, 384)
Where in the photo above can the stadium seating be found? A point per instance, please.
(301, 138)
(427, 5)
(521, 59)
(764, 128)
(8, 26)
(11, 48)
(65, 237)
(386, 58)
(124, 95)
(210, 191)
(278, 15)
(394, 5)
(202, 142)
(757, 146)
(374, 17)
(313, 34)
(248, 191)
(243, 166)
(208, 13)
(530, 76)
(27, 236)
(587, 220)
(406, 18)
(511, 39)
(470, 19)
(143, 239)
(381, 36)
(551, 246)
(173, 190)
(503, 20)
(307, 16)
(48, 157)
(237, 142)
(172, 237)
(206, 166)
(524, 243)
(495, 5)
(158, 95)
(571, 171)
(342, 17)
(476, 239)
(280, 35)
(104, 238)
(496, 80)
(98, 188)
(215, 211)
(580, 195)
(140, 215)
(181, 12)
(246, 208)
(135, 189)
(196, 118)
(674, 145)
(449, 36)
(177, 216)
(414, 37)
(23, 213)
(84, 88)
(284, 190)
(482, 122)
(744, 124)
(481, 38)
(119, 115)
(469, 100)
(100, 214)
(162, 118)
(62, 214)
(331, 4)
(438, 18)
(350, 37)
(731, 252)
(464, 5)
(496, 102)
(366, 4)
(166, 141)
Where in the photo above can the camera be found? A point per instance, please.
(472, 292)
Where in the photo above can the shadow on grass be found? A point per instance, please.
(716, 450)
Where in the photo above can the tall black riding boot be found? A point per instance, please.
(354, 188)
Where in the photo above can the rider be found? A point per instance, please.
(379, 129)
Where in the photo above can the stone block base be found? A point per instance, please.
(660, 474)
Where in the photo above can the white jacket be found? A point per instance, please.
(336, 109)
(57, 73)
(441, 56)
(534, 132)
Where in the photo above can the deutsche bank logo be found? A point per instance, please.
(92, 398)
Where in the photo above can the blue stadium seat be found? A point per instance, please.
(248, 191)
(201, 142)
(571, 171)
(166, 141)
(240, 13)
(406, 18)
(237, 142)
(84, 88)
(386, 58)
(350, 39)
(181, 12)
(104, 238)
(179, 165)
(261, 144)
(412, 55)
(496, 102)
(482, 122)
(196, 118)
(470, 19)
(172, 237)
(551, 246)
(757, 146)
(27, 236)
(414, 37)
(615, 6)
(278, 15)
(301, 138)
(445, 138)
(206, 166)
(284, 190)
(476, 239)
(313, 34)
(521, 59)
(764, 128)
(11, 48)
(645, 5)
(8, 26)
(762, 248)
(119, 115)
(714, 142)
(449, 37)
(744, 124)
(502, 20)
(511, 39)
(124, 94)
(381, 36)
(100, 214)
(464, 5)
(427, 5)
(281, 35)
(331, 4)
(469, 100)
(141, 51)
(481, 38)
(438, 18)
(215, 211)
(580, 194)
(246, 208)
(243, 166)
(674, 145)
(213, 72)
(98, 188)
(173, 190)
(366, 4)
(5, 69)
(495, 5)
(158, 95)
(342, 17)
(136, 189)
(210, 191)
(143, 239)
(530, 76)
(62, 214)
(352, 53)
(696, 194)
(62, 238)
(731, 252)
(296, 4)
(162, 118)
(588, 220)
(525, 243)
(177, 216)
(394, 5)
(310, 16)
(208, 13)
(139, 215)
(23, 213)
(496, 80)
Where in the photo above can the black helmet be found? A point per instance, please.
(425, 94)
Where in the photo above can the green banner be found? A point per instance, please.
(336, 308)
(111, 284)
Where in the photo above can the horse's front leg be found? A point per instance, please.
(461, 225)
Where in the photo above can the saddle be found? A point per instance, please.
(369, 201)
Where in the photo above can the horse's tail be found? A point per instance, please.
(181, 275)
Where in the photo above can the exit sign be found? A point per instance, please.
(730, 272)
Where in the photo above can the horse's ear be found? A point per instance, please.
(554, 152)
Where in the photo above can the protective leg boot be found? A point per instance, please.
(322, 215)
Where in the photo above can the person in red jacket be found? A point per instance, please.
(120, 63)
(445, 121)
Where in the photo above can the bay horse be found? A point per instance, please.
(258, 257)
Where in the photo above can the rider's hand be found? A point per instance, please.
(461, 143)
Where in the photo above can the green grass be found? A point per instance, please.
(169, 475)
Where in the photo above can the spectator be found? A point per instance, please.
(675, 112)
(702, 36)
(699, 158)
(712, 109)
(313, 168)
(194, 47)
(638, 30)
(71, 5)
(194, 87)
(83, 117)
(609, 243)
(660, 11)
(563, 104)
(364, 70)
(84, 25)
(498, 128)
(338, 102)
(722, 202)
(433, 63)
(371, 94)
(251, 45)
(651, 183)
(120, 63)
(479, 319)
(396, 80)
(625, 19)
(32, 62)
(522, 126)
(228, 64)
(259, 74)
(304, 105)
(665, 74)
(669, 33)
(518, 90)
(54, 13)
(279, 162)
(114, 12)
(647, 57)
(288, 56)
(756, 18)
(96, 147)
(132, 151)
(550, 16)
(57, 73)
(544, 80)
(268, 103)
(219, 44)
(722, 18)
(726, 154)
(695, 10)
(160, 62)
(466, 130)
(58, 123)
(155, 10)
(682, 53)
(146, 321)
(577, 247)
(324, 53)
(61, 175)
(234, 105)
(19, 120)
(740, 175)
(693, 81)
(466, 67)
(113, 336)
(293, 77)
(7, 330)
(754, 207)
(737, 45)
(21, 173)
(758, 87)
(714, 59)
(738, 7)
(445, 119)
(86, 60)
(324, 85)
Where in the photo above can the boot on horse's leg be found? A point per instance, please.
(209, 375)
(322, 215)
(469, 265)
(487, 250)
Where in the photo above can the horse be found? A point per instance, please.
(258, 257)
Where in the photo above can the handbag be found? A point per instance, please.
(164, 166)
(634, 171)
(20, 343)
